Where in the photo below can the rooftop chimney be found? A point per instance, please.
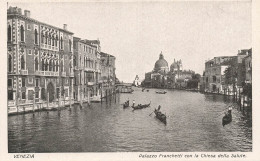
(65, 26)
(27, 13)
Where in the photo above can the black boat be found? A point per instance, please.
(140, 106)
(159, 92)
(160, 116)
(126, 104)
(227, 118)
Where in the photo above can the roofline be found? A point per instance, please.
(34, 20)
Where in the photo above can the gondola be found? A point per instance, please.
(140, 106)
(227, 119)
(126, 104)
(160, 116)
(158, 92)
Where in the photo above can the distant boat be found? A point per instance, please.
(161, 92)
(126, 104)
(227, 118)
(140, 106)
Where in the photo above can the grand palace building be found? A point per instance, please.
(45, 64)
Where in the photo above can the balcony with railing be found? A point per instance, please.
(46, 73)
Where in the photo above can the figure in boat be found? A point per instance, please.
(228, 117)
(126, 104)
(140, 106)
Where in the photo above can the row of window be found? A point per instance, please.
(45, 38)
(10, 82)
(88, 49)
(30, 94)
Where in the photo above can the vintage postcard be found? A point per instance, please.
(134, 80)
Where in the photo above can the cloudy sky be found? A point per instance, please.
(136, 32)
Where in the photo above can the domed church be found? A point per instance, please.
(161, 65)
(162, 77)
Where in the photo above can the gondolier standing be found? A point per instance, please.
(229, 109)
(133, 103)
(159, 107)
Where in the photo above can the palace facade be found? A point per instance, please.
(47, 66)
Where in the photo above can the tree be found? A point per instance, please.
(193, 83)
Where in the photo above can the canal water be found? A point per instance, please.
(194, 123)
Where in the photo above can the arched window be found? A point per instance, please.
(70, 67)
(35, 36)
(22, 33)
(61, 66)
(9, 33)
(80, 61)
(53, 40)
(61, 43)
(10, 63)
(46, 38)
(70, 45)
(43, 65)
(46, 65)
(42, 38)
(56, 41)
(36, 64)
(50, 38)
(50, 66)
(57, 66)
(43, 94)
(22, 62)
(54, 65)
(74, 61)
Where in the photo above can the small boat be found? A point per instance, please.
(227, 119)
(147, 90)
(126, 104)
(160, 116)
(140, 106)
(161, 92)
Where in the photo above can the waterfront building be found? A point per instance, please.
(108, 76)
(227, 74)
(137, 81)
(214, 74)
(179, 76)
(40, 66)
(87, 70)
(248, 67)
(159, 73)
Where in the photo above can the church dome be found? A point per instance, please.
(174, 65)
(161, 63)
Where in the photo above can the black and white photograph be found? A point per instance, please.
(151, 77)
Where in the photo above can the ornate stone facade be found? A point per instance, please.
(37, 52)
